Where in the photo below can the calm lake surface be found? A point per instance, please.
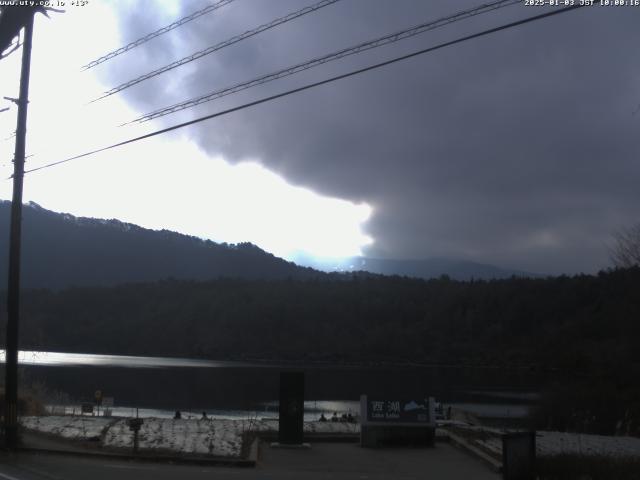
(161, 385)
(60, 359)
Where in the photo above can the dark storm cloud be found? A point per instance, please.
(518, 149)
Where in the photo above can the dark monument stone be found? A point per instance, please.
(291, 408)
(519, 456)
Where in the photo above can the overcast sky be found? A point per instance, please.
(519, 149)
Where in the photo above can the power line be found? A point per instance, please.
(10, 49)
(312, 85)
(218, 46)
(157, 33)
(345, 52)
(6, 139)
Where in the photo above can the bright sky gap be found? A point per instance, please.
(227, 203)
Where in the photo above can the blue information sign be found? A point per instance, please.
(405, 411)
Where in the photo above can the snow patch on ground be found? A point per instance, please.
(72, 428)
(556, 443)
(221, 438)
(215, 437)
(549, 444)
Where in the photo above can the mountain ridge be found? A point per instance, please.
(426, 268)
(61, 250)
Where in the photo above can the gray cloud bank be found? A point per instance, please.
(518, 149)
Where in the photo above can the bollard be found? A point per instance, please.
(134, 425)
(519, 456)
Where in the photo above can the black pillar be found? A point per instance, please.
(291, 408)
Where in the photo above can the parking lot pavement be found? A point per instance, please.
(336, 461)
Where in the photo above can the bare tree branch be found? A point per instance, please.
(625, 252)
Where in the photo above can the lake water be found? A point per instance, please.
(312, 411)
(60, 359)
(158, 386)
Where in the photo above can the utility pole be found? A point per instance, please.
(13, 293)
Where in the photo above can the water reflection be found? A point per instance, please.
(26, 357)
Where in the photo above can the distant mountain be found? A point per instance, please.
(61, 250)
(427, 268)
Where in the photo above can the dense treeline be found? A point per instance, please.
(582, 323)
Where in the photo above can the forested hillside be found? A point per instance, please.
(583, 323)
(61, 250)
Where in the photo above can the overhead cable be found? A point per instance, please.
(157, 33)
(311, 85)
(218, 46)
(361, 47)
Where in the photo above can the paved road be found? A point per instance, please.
(322, 461)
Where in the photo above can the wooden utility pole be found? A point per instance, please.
(13, 293)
